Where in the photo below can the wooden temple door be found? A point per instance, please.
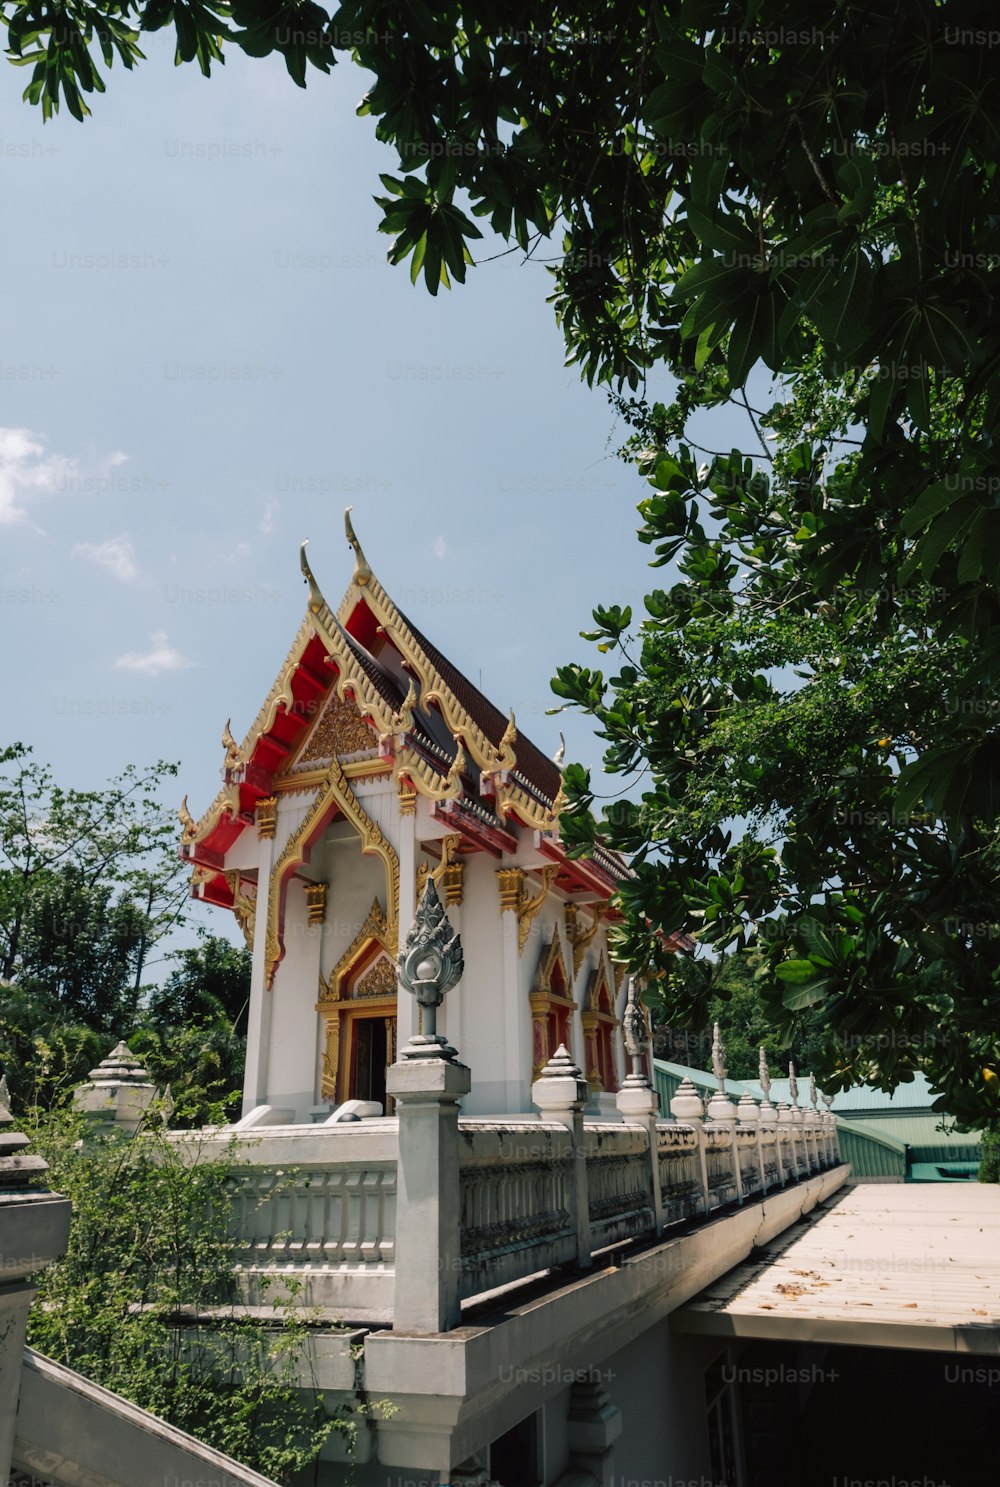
(373, 1049)
(358, 1011)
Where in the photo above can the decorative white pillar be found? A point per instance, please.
(35, 1227)
(118, 1093)
(798, 1125)
(637, 1100)
(769, 1116)
(518, 1052)
(427, 1082)
(406, 1010)
(560, 1093)
(748, 1114)
(687, 1108)
(722, 1111)
(594, 1424)
(261, 999)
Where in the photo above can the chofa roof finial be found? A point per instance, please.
(315, 596)
(362, 572)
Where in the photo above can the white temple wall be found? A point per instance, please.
(474, 1013)
(293, 1017)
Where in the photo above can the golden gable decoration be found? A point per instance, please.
(339, 729)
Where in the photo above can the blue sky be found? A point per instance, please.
(204, 358)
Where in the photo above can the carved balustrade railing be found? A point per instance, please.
(620, 1203)
(313, 1213)
(516, 1187)
(679, 1159)
(314, 1208)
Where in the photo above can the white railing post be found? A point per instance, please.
(637, 1100)
(722, 1111)
(686, 1107)
(769, 1116)
(35, 1226)
(561, 1094)
(748, 1112)
(427, 1082)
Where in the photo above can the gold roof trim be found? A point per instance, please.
(432, 687)
(228, 797)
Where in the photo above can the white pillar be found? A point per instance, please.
(428, 1198)
(261, 1000)
(406, 1011)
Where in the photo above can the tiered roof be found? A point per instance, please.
(411, 713)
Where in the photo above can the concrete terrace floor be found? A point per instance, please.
(886, 1266)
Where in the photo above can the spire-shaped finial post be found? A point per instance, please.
(793, 1085)
(718, 1058)
(634, 1029)
(430, 964)
(812, 1091)
(362, 572)
(764, 1075)
(315, 597)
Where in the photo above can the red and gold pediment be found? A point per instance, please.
(339, 731)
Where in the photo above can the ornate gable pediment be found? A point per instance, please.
(372, 943)
(339, 730)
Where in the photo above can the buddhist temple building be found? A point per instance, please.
(373, 764)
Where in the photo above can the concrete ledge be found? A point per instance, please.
(76, 1434)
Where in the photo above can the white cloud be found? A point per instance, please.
(25, 468)
(441, 548)
(271, 509)
(240, 551)
(116, 554)
(161, 656)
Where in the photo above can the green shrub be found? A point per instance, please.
(144, 1301)
(989, 1163)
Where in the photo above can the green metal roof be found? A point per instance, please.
(898, 1135)
(943, 1171)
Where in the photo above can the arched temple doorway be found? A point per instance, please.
(357, 1006)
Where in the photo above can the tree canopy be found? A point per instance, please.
(791, 209)
(90, 889)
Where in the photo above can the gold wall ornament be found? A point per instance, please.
(528, 908)
(266, 815)
(335, 795)
(329, 991)
(510, 881)
(513, 896)
(244, 904)
(316, 902)
(331, 1059)
(453, 882)
(449, 874)
(580, 936)
(407, 799)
